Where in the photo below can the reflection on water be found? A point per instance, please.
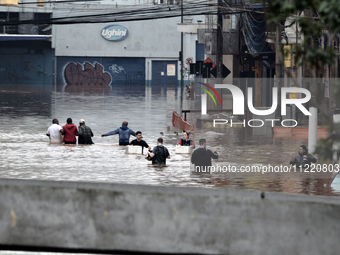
(25, 152)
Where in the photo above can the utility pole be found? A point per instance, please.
(181, 58)
(295, 66)
(278, 68)
(219, 53)
(312, 119)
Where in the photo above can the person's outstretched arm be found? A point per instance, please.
(114, 132)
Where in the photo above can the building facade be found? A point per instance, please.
(116, 53)
(26, 55)
(95, 55)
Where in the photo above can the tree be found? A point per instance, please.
(315, 18)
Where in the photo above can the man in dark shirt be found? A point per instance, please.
(84, 133)
(303, 159)
(159, 153)
(139, 141)
(201, 157)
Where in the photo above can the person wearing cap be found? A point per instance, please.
(84, 133)
(70, 132)
(139, 141)
(124, 133)
(54, 132)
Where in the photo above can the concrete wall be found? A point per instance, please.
(166, 219)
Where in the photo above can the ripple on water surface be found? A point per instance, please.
(26, 154)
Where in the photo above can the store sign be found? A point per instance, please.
(171, 70)
(115, 33)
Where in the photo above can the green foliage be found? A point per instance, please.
(325, 147)
(329, 11)
(315, 18)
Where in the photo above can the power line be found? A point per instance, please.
(130, 14)
(55, 2)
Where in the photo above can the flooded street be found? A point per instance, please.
(25, 152)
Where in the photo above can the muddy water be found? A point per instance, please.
(25, 152)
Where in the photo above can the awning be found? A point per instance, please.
(254, 32)
(7, 37)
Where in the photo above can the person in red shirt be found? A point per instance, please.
(70, 132)
(186, 141)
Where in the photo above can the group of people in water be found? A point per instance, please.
(67, 134)
(69, 131)
(200, 157)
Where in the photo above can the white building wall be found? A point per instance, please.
(189, 27)
(189, 51)
(152, 38)
(156, 39)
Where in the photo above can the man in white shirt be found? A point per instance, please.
(54, 132)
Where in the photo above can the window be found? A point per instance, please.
(232, 22)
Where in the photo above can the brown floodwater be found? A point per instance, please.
(25, 153)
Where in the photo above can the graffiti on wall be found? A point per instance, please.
(86, 78)
(116, 69)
